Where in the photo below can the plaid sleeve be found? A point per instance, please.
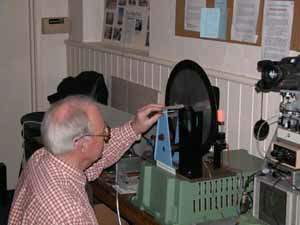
(121, 140)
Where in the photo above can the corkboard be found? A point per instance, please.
(180, 31)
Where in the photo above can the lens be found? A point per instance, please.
(272, 75)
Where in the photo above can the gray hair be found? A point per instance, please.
(58, 134)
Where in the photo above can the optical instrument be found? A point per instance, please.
(188, 183)
(279, 75)
(277, 193)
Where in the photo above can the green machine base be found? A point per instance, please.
(249, 220)
(175, 200)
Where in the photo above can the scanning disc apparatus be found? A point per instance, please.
(188, 127)
(186, 185)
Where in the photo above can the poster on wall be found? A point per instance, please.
(135, 27)
(277, 29)
(245, 16)
(192, 14)
(127, 23)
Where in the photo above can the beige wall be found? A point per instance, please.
(50, 50)
(26, 55)
(87, 19)
(226, 57)
(15, 87)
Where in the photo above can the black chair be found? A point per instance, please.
(31, 132)
(88, 83)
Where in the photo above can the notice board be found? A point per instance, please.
(180, 31)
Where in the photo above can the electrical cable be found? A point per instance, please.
(207, 168)
(263, 154)
(291, 184)
(122, 56)
(117, 197)
(246, 199)
(261, 124)
(118, 208)
(246, 196)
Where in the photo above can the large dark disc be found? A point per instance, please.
(189, 85)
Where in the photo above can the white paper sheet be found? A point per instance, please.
(277, 29)
(192, 14)
(222, 5)
(135, 27)
(126, 23)
(210, 22)
(245, 15)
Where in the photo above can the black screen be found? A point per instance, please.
(272, 205)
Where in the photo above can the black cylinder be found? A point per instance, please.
(190, 131)
(3, 184)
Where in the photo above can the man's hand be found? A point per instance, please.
(146, 117)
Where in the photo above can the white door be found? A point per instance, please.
(15, 84)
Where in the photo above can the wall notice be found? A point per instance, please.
(277, 29)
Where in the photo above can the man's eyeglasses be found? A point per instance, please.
(106, 135)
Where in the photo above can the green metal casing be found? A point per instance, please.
(174, 200)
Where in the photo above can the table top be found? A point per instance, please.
(103, 191)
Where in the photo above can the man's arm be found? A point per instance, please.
(123, 137)
(121, 140)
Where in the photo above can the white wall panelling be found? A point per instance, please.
(241, 104)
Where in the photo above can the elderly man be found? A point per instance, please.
(78, 146)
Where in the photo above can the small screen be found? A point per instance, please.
(272, 204)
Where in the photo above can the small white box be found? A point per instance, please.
(55, 25)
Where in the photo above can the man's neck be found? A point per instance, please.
(73, 160)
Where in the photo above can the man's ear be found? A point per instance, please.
(80, 142)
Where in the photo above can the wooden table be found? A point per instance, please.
(104, 192)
